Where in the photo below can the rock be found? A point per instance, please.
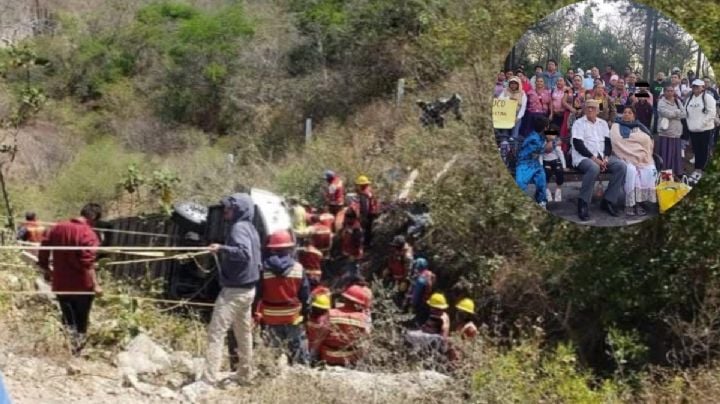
(165, 392)
(142, 355)
(192, 392)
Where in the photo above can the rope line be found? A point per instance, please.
(171, 257)
(178, 303)
(101, 248)
(139, 233)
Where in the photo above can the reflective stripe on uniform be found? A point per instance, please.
(348, 321)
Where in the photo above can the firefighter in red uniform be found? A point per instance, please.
(311, 259)
(321, 234)
(318, 324)
(351, 237)
(368, 208)
(334, 192)
(31, 231)
(348, 326)
(283, 296)
(398, 269)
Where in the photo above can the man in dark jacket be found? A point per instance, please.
(239, 272)
(74, 270)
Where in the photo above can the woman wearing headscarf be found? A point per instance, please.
(514, 92)
(632, 143)
(671, 112)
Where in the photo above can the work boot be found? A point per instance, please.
(583, 211)
(608, 207)
(558, 195)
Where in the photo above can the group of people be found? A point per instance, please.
(302, 286)
(621, 125)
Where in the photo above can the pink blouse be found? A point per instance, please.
(539, 101)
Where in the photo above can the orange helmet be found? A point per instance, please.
(281, 239)
(357, 295)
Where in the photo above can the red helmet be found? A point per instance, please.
(357, 295)
(281, 239)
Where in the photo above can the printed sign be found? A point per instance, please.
(504, 113)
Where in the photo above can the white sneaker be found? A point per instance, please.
(558, 195)
(543, 205)
(692, 160)
(548, 195)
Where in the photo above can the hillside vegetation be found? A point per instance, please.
(167, 89)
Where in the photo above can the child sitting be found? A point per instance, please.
(529, 168)
(553, 161)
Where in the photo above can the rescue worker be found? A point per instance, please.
(438, 321)
(298, 215)
(318, 324)
(349, 324)
(334, 192)
(351, 237)
(321, 234)
(311, 259)
(398, 268)
(284, 297)
(31, 231)
(466, 328)
(353, 280)
(368, 208)
(421, 290)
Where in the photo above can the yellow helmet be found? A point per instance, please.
(466, 305)
(321, 302)
(362, 180)
(437, 301)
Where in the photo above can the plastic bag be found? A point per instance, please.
(670, 192)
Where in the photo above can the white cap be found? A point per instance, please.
(698, 82)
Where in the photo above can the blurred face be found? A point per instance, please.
(660, 76)
(521, 75)
(613, 82)
(628, 115)
(707, 82)
(513, 86)
(697, 90)
(508, 75)
(540, 83)
(577, 82)
(591, 113)
(571, 73)
(627, 71)
(228, 213)
(560, 85)
(598, 82)
(669, 93)
(538, 70)
(600, 90)
(552, 66)
(501, 76)
(675, 79)
(620, 84)
(595, 72)
(631, 79)
(608, 69)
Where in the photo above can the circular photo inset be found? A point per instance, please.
(606, 113)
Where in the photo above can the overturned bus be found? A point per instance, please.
(190, 225)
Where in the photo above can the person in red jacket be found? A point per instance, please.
(368, 208)
(348, 326)
(311, 259)
(318, 324)
(397, 272)
(351, 237)
(284, 297)
(334, 192)
(74, 271)
(320, 232)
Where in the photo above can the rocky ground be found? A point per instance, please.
(147, 373)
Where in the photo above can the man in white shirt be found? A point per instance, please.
(591, 154)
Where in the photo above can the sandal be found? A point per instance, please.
(639, 211)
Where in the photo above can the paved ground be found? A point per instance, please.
(567, 209)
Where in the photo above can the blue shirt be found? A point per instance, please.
(531, 148)
(4, 397)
